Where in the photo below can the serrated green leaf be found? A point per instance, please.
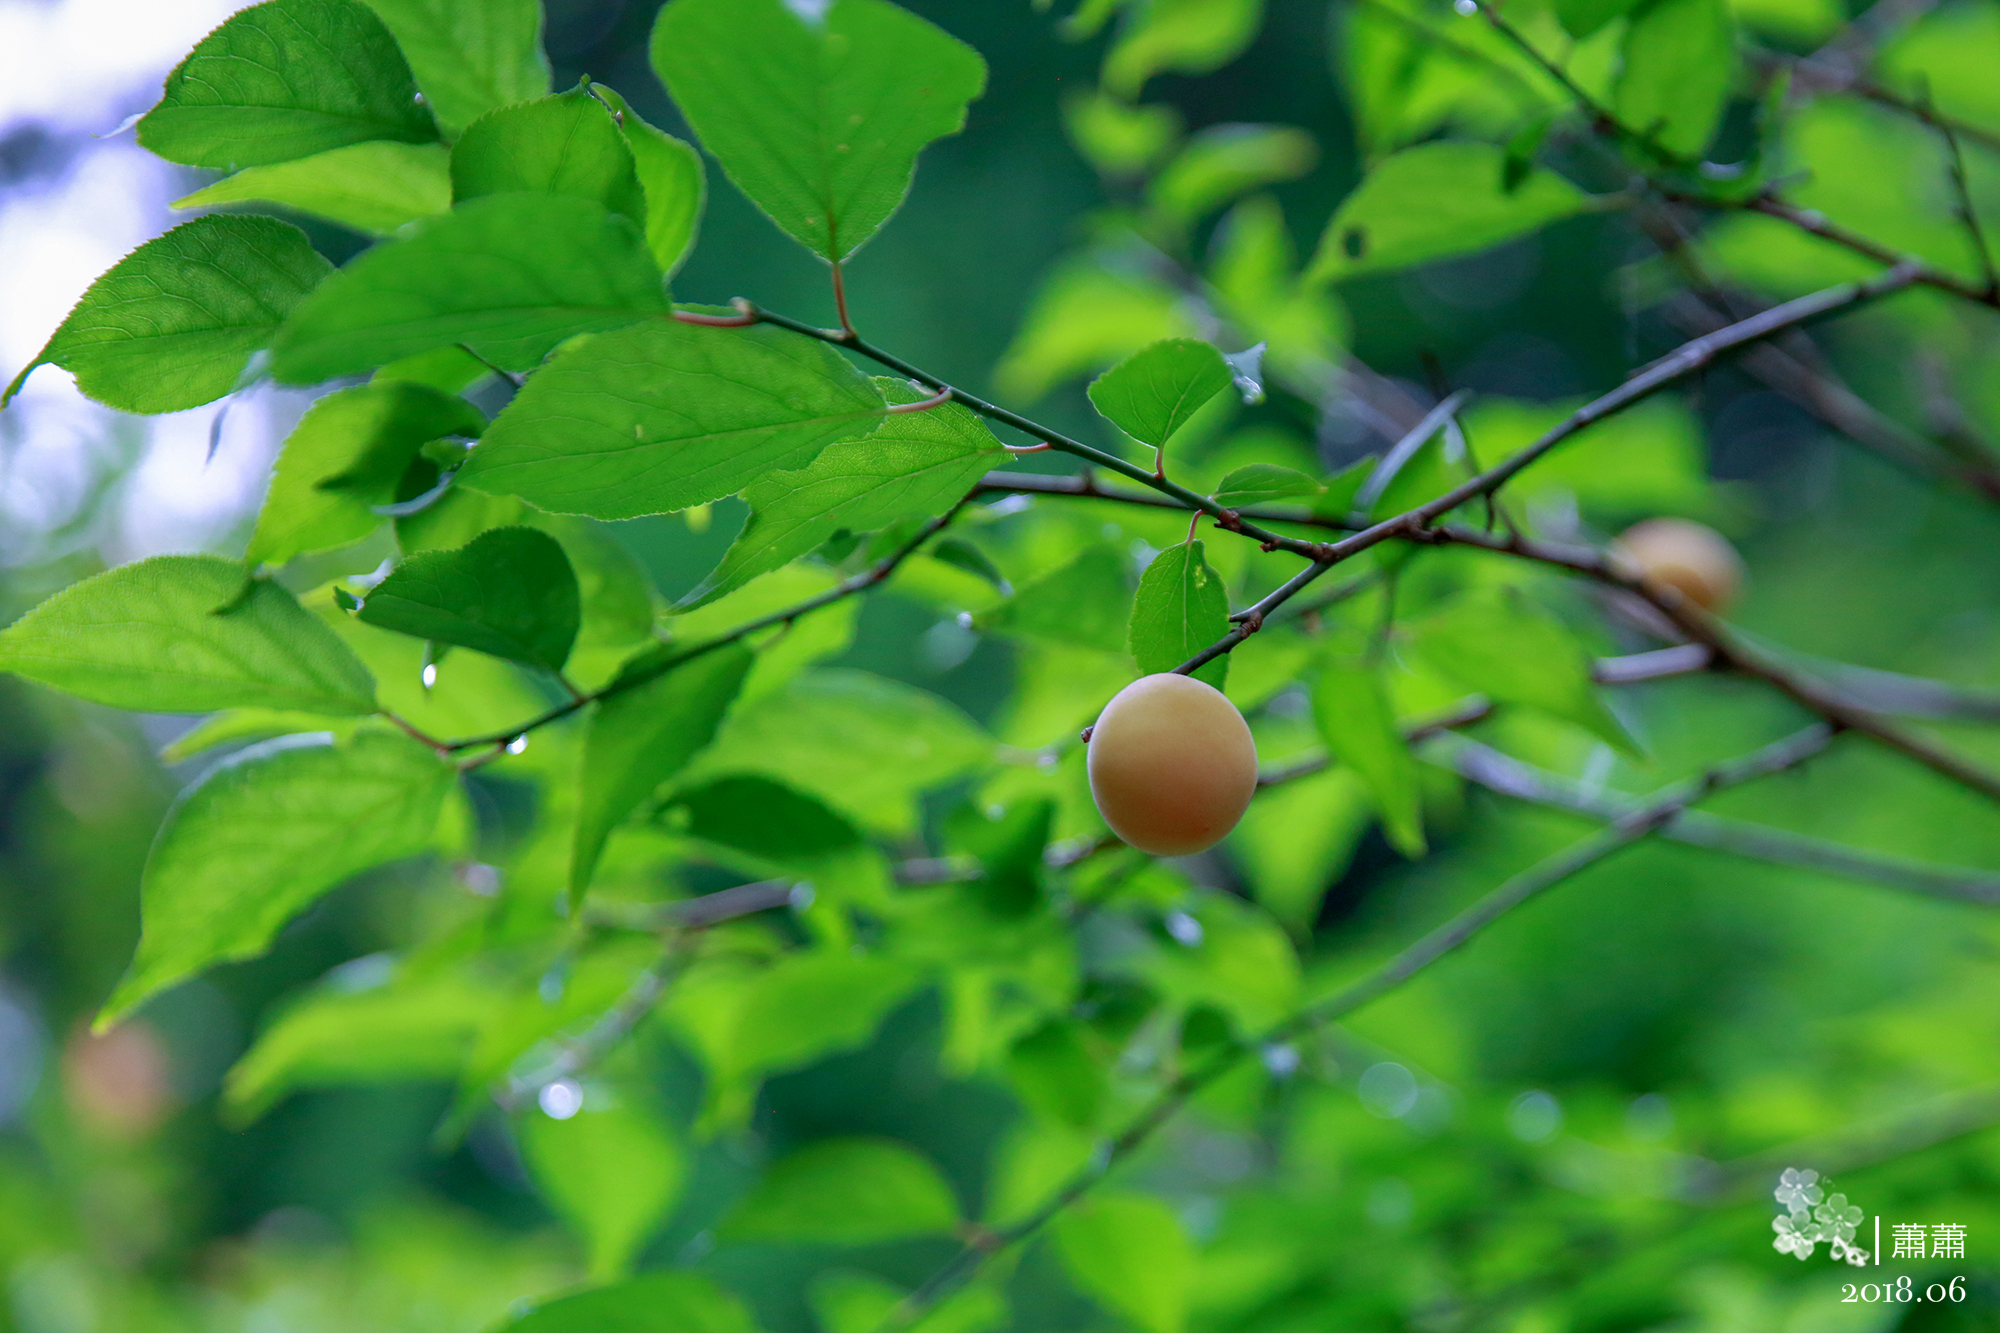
(611, 1173)
(914, 465)
(172, 325)
(654, 419)
(346, 456)
(846, 1192)
(419, 1028)
(508, 593)
(1179, 610)
(1679, 62)
(509, 276)
(1515, 651)
(264, 834)
(470, 56)
(1358, 723)
(1155, 392)
(818, 121)
(1436, 201)
(372, 187)
(1264, 483)
(1183, 36)
(676, 186)
(285, 80)
(563, 145)
(186, 634)
(639, 738)
(654, 1303)
(1129, 1253)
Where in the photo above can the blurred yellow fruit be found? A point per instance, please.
(1687, 556)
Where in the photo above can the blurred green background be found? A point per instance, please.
(1489, 1148)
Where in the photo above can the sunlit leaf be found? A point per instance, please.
(1129, 1253)
(641, 736)
(284, 80)
(1358, 723)
(173, 324)
(1679, 63)
(264, 834)
(510, 276)
(186, 634)
(347, 456)
(657, 418)
(470, 56)
(914, 465)
(846, 1192)
(611, 1173)
(373, 187)
(1436, 201)
(1182, 36)
(1154, 393)
(818, 119)
(667, 1302)
(562, 145)
(1179, 610)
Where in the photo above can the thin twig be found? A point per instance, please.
(1508, 776)
(1439, 943)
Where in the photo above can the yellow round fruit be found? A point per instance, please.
(1172, 765)
(1677, 553)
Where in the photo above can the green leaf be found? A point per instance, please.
(285, 80)
(864, 745)
(1581, 18)
(509, 276)
(1129, 1253)
(1180, 609)
(1151, 395)
(1515, 651)
(640, 737)
(1055, 1075)
(819, 122)
(850, 1302)
(846, 1192)
(1241, 965)
(654, 1303)
(1433, 202)
(1296, 839)
(509, 592)
(657, 418)
(1679, 64)
(1358, 723)
(186, 634)
(611, 1173)
(470, 56)
(1262, 483)
(764, 818)
(914, 465)
(563, 145)
(372, 187)
(1226, 161)
(172, 324)
(421, 1028)
(1085, 318)
(263, 835)
(347, 455)
(1116, 138)
(1087, 601)
(1183, 36)
(671, 174)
